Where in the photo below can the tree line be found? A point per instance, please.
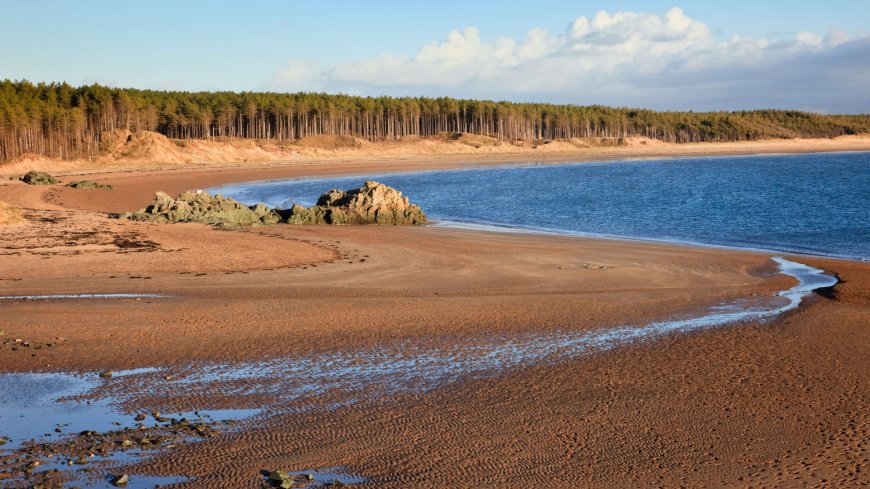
(59, 120)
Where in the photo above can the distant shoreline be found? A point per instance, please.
(161, 154)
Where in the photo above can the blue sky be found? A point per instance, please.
(380, 47)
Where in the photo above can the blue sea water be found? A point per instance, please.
(808, 203)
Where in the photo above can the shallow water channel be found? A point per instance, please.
(50, 406)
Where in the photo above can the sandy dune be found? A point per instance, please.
(142, 150)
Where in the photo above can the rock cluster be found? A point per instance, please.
(373, 203)
(286, 480)
(71, 449)
(38, 178)
(198, 206)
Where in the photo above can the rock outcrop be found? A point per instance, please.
(198, 206)
(38, 178)
(373, 203)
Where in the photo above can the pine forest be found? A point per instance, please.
(63, 121)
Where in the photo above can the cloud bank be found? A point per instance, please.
(669, 61)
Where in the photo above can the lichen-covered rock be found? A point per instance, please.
(198, 206)
(87, 184)
(373, 203)
(38, 178)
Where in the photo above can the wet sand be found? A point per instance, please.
(753, 404)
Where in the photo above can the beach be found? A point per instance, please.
(774, 403)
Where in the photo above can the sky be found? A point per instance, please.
(677, 54)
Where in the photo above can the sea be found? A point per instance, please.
(816, 204)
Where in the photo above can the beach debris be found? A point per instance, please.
(18, 344)
(87, 185)
(201, 207)
(373, 203)
(3, 440)
(38, 178)
(106, 374)
(120, 480)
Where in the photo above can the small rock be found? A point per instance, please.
(3, 440)
(120, 480)
(140, 417)
(278, 476)
(106, 374)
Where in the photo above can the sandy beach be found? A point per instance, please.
(781, 403)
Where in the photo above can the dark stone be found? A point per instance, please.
(38, 178)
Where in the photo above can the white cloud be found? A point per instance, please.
(297, 76)
(622, 58)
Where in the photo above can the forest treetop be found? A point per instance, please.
(60, 120)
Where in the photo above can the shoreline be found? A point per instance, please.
(293, 291)
(507, 229)
(373, 159)
(530, 230)
(174, 179)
